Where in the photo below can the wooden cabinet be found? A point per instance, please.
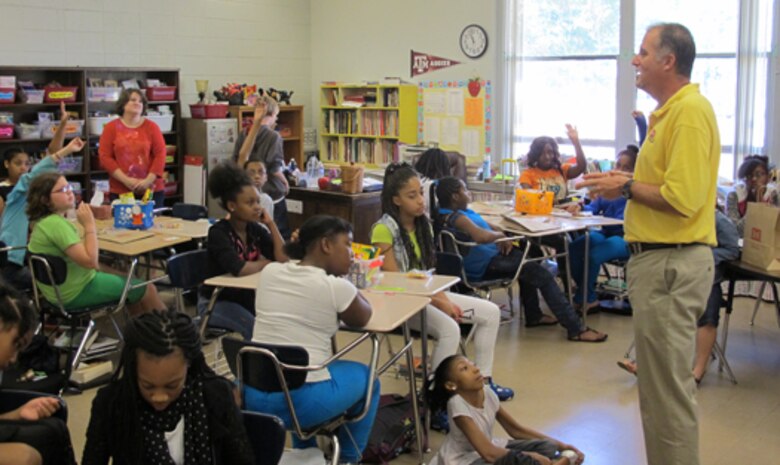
(365, 123)
(362, 210)
(289, 124)
(90, 171)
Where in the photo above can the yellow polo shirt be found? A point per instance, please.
(681, 154)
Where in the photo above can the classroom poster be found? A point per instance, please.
(457, 116)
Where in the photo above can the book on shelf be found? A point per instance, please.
(64, 341)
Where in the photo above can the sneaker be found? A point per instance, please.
(440, 422)
(503, 393)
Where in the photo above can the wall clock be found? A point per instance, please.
(473, 41)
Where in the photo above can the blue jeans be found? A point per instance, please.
(321, 401)
(229, 315)
(602, 249)
(534, 277)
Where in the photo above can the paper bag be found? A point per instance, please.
(352, 179)
(761, 246)
(533, 202)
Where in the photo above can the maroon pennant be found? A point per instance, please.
(424, 63)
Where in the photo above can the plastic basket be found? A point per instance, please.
(71, 165)
(164, 121)
(7, 95)
(134, 216)
(6, 131)
(200, 111)
(32, 95)
(65, 94)
(28, 131)
(156, 94)
(73, 128)
(96, 124)
(103, 94)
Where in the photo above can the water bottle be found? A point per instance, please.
(486, 168)
(311, 172)
(320, 170)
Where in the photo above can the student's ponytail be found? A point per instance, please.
(436, 392)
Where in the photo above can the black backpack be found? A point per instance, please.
(393, 431)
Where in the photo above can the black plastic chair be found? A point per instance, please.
(186, 271)
(283, 368)
(449, 261)
(52, 271)
(189, 211)
(12, 399)
(266, 435)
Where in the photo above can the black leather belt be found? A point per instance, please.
(639, 247)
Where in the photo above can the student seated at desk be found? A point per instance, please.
(259, 174)
(607, 244)
(545, 171)
(301, 304)
(164, 405)
(405, 236)
(241, 245)
(493, 260)
(29, 435)
(755, 185)
(15, 224)
(49, 198)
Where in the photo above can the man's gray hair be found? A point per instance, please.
(677, 39)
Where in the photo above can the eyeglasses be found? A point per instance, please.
(63, 190)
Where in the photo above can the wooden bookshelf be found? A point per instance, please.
(365, 123)
(289, 124)
(80, 76)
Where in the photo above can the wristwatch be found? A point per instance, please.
(626, 189)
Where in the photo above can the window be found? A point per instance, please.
(569, 62)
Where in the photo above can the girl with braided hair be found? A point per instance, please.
(164, 405)
(405, 237)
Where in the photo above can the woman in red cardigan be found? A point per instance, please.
(132, 150)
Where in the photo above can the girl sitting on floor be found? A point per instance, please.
(405, 236)
(164, 405)
(241, 245)
(301, 304)
(49, 198)
(458, 387)
(492, 260)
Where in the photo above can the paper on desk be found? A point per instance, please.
(123, 236)
(533, 223)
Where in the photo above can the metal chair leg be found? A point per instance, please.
(336, 449)
(630, 349)
(82, 345)
(759, 298)
(723, 363)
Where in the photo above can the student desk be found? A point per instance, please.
(390, 310)
(171, 226)
(361, 210)
(493, 211)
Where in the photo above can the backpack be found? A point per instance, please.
(393, 431)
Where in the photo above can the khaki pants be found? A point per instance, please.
(668, 289)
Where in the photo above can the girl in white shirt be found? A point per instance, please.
(301, 304)
(473, 409)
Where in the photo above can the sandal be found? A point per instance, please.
(545, 320)
(578, 338)
(628, 365)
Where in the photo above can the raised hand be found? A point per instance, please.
(571, 132)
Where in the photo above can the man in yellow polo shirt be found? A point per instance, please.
(669, 224)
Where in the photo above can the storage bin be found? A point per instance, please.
(28, 131)
(6, 117)
(8, 82)
(76, 186)
(164, 121)
(134, 216)
(31, 95)
(73, 128)
(71, 165)
(7, 95)
(65, 94)
(156, 94)
(200, 111)
(103, 94)
(96, 123)
(6, 131)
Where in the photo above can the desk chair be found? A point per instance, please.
(4, 249)
(186, 271)
(52, 271)
(266, 434)
(185, 211)
(283, 368)
(455, 247)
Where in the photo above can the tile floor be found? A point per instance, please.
(575, 391)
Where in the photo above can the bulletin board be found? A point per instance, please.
(457, 115)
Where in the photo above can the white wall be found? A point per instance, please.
(264, 42)
(354, 40)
